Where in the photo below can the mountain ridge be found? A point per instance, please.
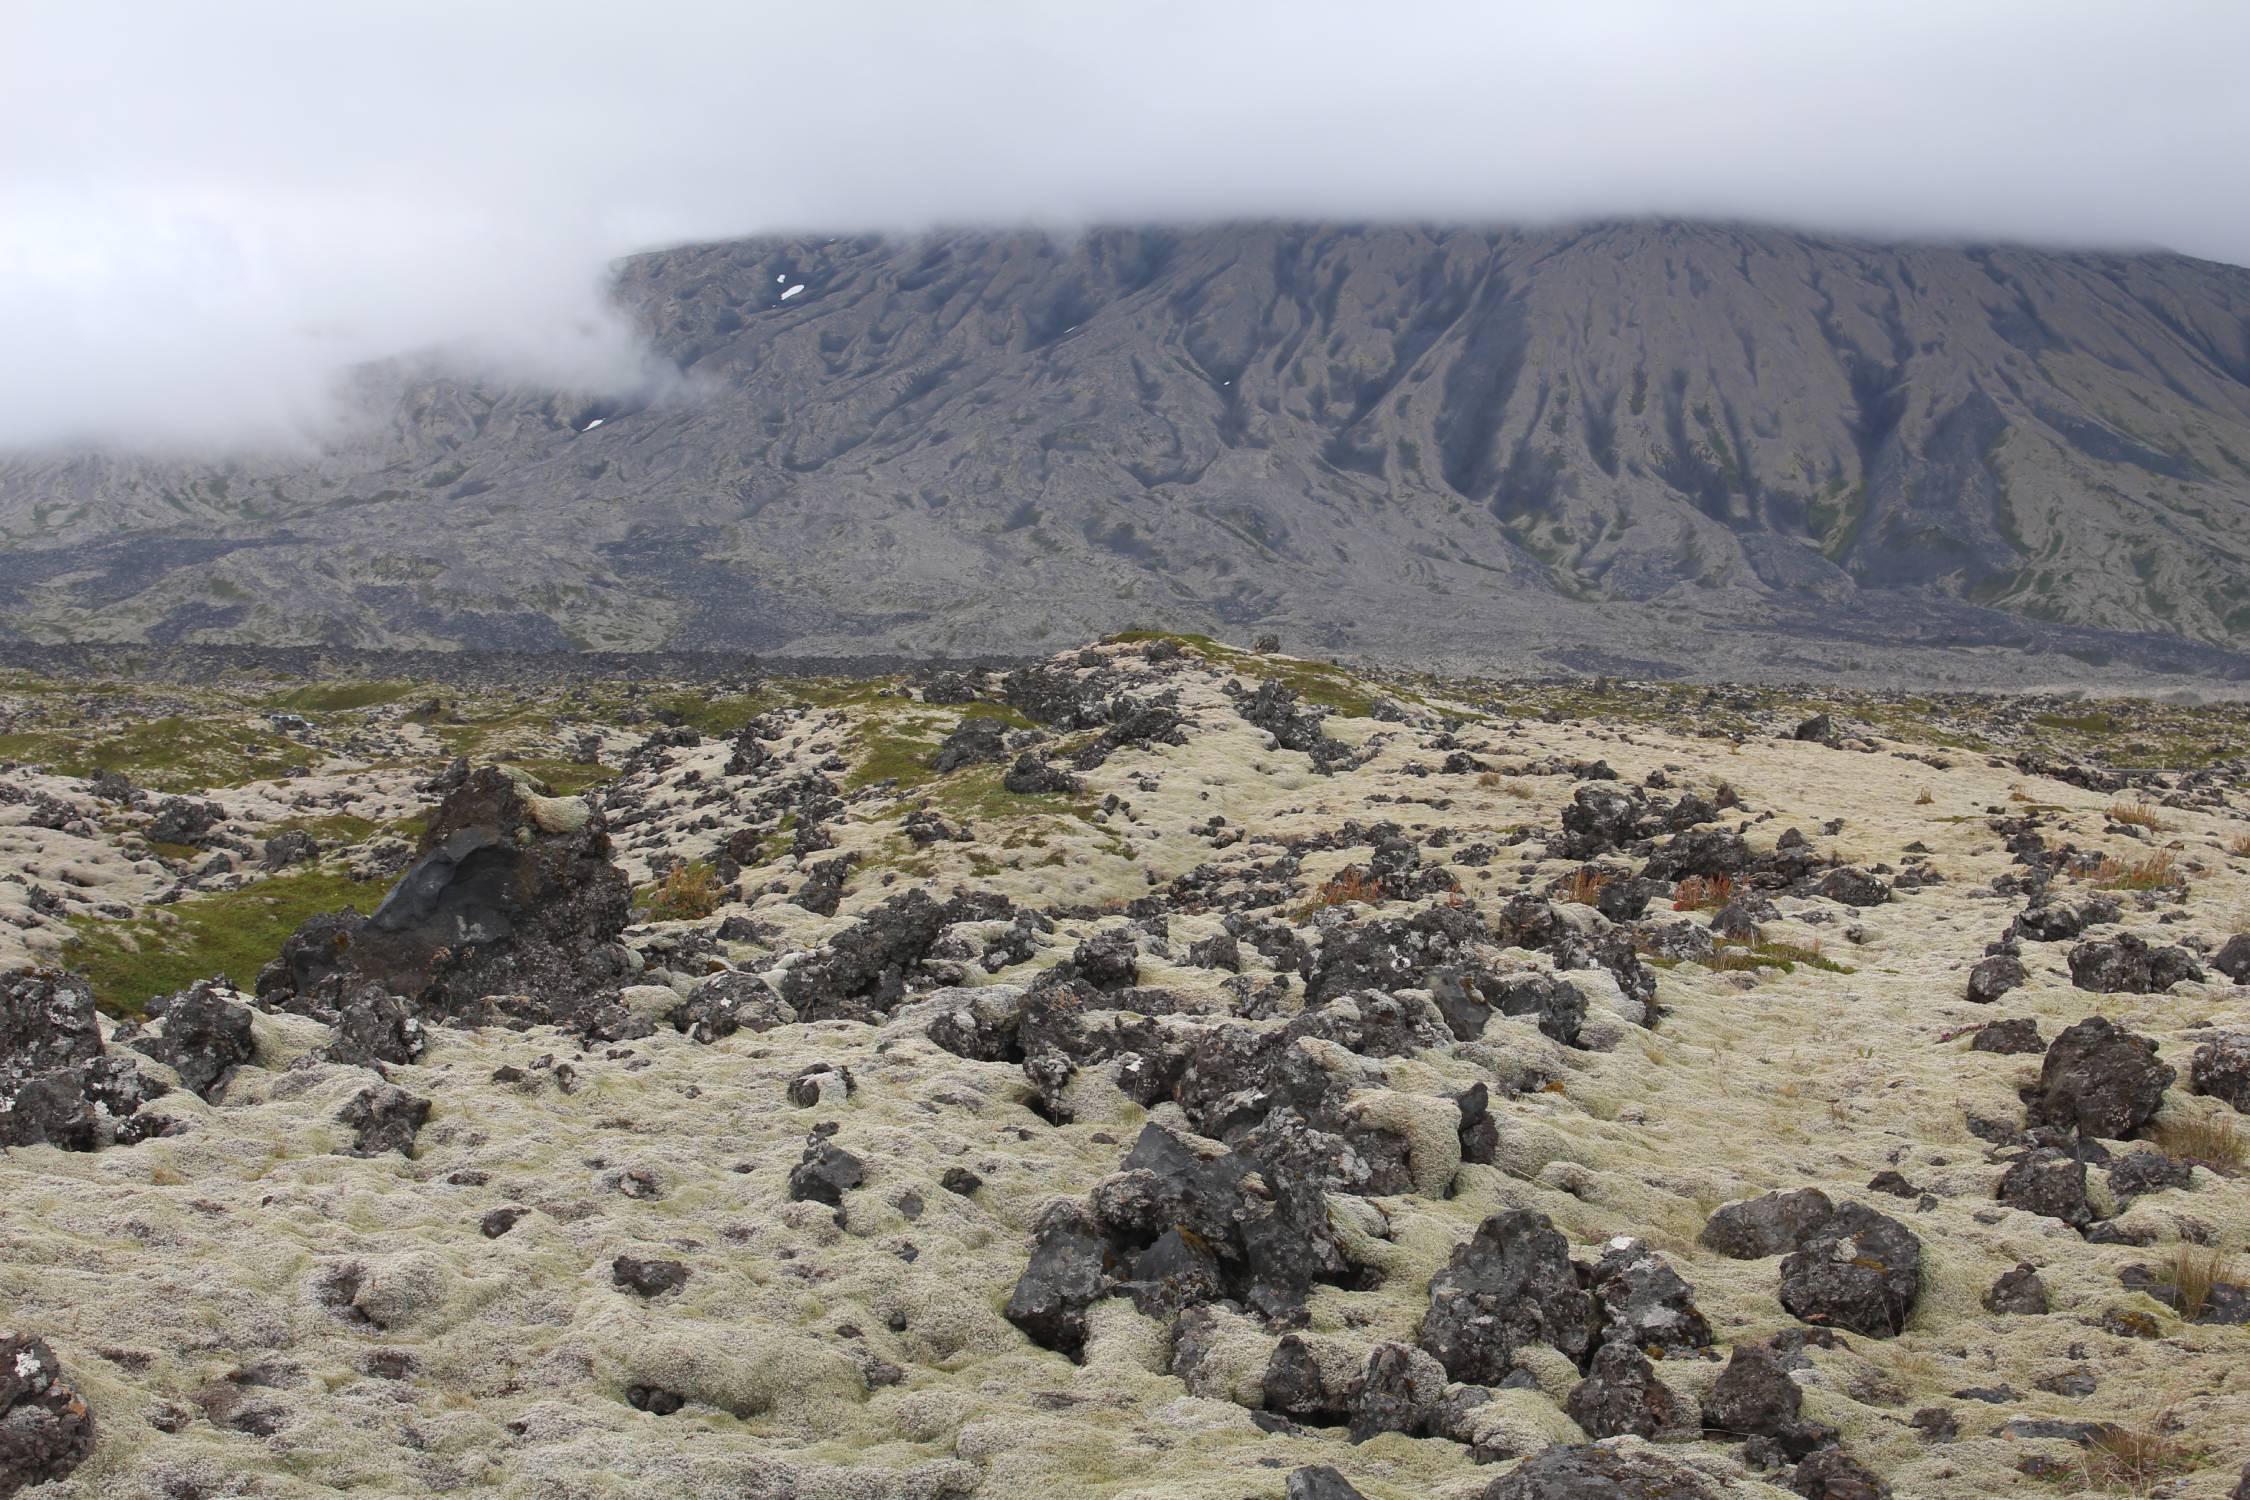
(1699, 445)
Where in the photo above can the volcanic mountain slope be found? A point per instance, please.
(1665, 441)
(1157, 1071)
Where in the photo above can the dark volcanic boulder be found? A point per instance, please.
(383, 1119)
(1389, 953)
(512, 893)
(1589, 1471)
(1771, 1224)
(1860, 1271)
(47, 1109)
(1320, 1483)
(1055, 695)
(2052, 921)
(45, 1429)
(58, 1085)
(1853, 887)
(1108, 960)
(47, 1021)
(2133, 1173)
(2019, 1291)
(1271, 1241)
(1296, 1386)
(1398, 1391)
(865, 968)
(205, 1038)
(2049, 1183)
(1994, 977)
(1755, 1398)
(726, 1003)
(977, 741)
(2234, 958)
(1509, 1285)
(823, 890)
(1275, 709)
(1030, 776)
(1070, 1270)
(1833, 1474)
(2128, 965)
(1641, 1301)
(2098, 1080)
(1622, 1394)
(2011, 1037)
(1556, 1005)
(1133, 725)
(647, 1278)
(1711, 853)
(2221, 1069)
(1601, 817)
(180, 821)
(826, 1173)
(291, 846)
(374, 1027)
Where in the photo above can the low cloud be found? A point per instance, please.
(210, 213)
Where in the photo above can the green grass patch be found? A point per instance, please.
(334, 828)
(169, 754)
(234, 933)
(720, 716)
(900, 741)
(976, 794)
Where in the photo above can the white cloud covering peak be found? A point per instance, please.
(208, 212)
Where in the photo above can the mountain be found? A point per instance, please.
(1630, 445)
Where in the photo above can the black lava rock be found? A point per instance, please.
(1859, 1270)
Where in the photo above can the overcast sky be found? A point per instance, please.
(207, 210)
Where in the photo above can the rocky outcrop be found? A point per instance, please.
(59, 1084)
(2130, 965)
(202, 1036)
(2098, 1080)
(46, 1430)
(1859, 1270)
(1509, 1285)
(513, 892)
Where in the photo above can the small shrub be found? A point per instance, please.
(2139, 814)
(2114, 874)
(1584, 885)
(1703, 893)
(1351, 884)
(687, 892)
(1923, 798)
(2239, 845)
(2209, 1140)
(2197, 1270)
(2134, 1460)
(1489, 780)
